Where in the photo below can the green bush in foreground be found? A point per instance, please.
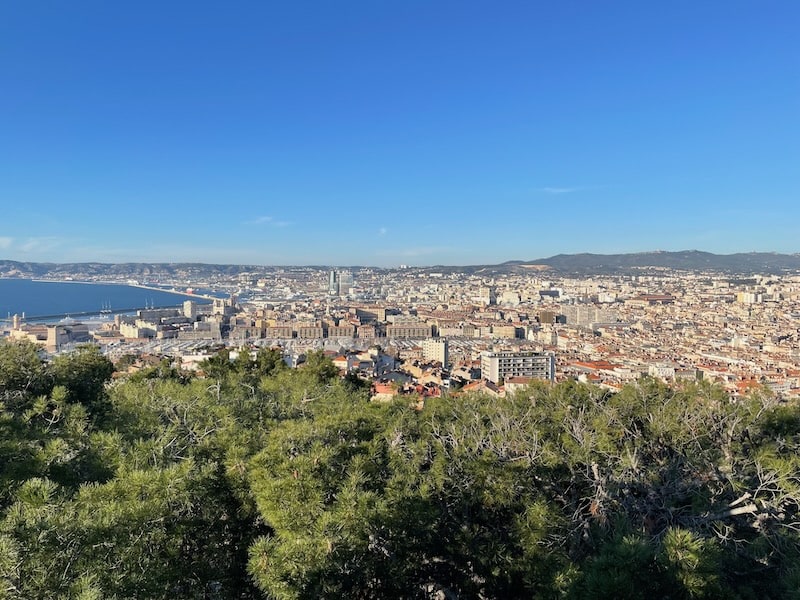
(265, 482)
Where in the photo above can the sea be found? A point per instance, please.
(51, 300)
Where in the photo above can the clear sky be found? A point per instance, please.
(396, 132)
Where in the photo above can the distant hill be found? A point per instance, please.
(688, 260)
(116, 270)
(564, 264)
(642, 263)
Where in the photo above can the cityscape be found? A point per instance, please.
(428, 332)
(443, 300)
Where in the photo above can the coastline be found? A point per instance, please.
(126, 284)
(122, 294)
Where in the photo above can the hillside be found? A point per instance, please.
(564, 264)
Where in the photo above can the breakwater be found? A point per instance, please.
(47, 300)
(87, 313)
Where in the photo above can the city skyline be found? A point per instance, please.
(458, 133)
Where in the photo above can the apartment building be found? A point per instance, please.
(504, 365)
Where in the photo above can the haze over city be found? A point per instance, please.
(396, 133)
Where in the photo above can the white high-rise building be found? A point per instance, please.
(333, 283)
(345, 282)
(502, 365)
(435, 349)
(339, 283)
(486, 296)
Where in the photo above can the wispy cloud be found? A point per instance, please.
(40, 244)
(5, 242)
(383, 231)
(267, 220)
(259, 221)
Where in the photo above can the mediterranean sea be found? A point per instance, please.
(39, 299)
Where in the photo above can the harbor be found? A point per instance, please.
(48, 300)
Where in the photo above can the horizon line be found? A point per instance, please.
(531, 262)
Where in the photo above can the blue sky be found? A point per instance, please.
(402, 132)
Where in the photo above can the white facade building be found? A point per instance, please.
(502, 365)
(435, 349)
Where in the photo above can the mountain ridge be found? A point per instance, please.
(578, 263)
(689, 260)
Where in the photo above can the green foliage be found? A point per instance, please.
(262, 481)
(624, 568)
(692, 562)
(269, 361)
(320, 367)
(22, 373)
(83, 374)
(162, 371)
(218, 366)
(355, 384)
